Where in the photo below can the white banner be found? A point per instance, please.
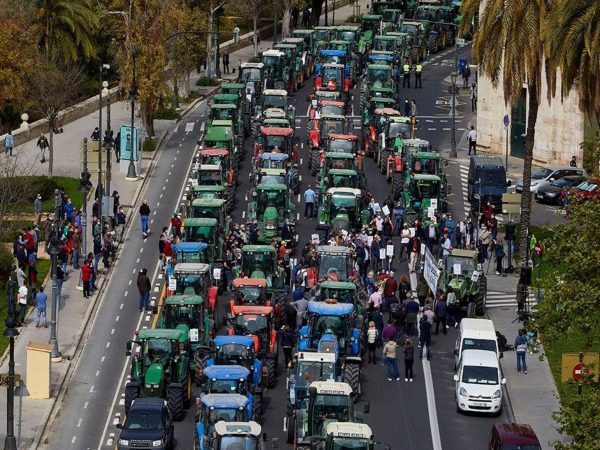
(431, 273)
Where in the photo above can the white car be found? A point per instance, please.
(479, 382)
(547, 175)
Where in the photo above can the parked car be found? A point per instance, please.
(547, 175)
(148, 425)
(552, 193)
(587, 189)
(512, 436)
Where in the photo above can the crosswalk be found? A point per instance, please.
(497, 299)
(464, 178)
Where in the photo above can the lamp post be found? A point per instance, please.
(453, 153)
(131, 173)
(84, 188)
(11, 332)
(218, 13)
(326, 23)
(53, 251)
(108, 135)
(333, 14)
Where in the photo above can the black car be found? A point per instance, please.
(551, 193)
(148, 425)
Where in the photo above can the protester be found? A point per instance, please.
(409, 359)
(389, 359)
(41, 300)
(143, 284)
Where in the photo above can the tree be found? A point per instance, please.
(579, 418)
(509, 49)
(14, 188)
(573, 45)
(54, 86)
(253, 9)
(316, 6)
(65, 28)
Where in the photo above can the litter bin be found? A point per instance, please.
(462, 64)
(38, 369)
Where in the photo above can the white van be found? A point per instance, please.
(475, 334)
(479, 382)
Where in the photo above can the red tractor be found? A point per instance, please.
(333, 78)
(250, 291)
(318, 136)
(276, 140)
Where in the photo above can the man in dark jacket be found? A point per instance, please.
(143, 284)
(287, 337)
(389, 292)
(425, 337)
(441, 308)
(144, 216)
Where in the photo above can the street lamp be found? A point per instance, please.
(53, 251)
(131, 174)
(84, 188)
(108, 135)
(453, 153)
(103, 69)
(218, 13)
(11, 333)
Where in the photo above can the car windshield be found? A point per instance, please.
(382, 75)
(274, 101)
(347, 36)
(144, 420)
(330, 73)
(426, 189)
(224, 386)
(350, 444)
(275, 143)
(231, 353)
(314, 371)
(492, 177)
(399, 129)
(257, 261)
(251, 323)
(480, 375)
(587, 186)
(541, 174)
(238, 443)
(334, 324)
(385, 45)
(250, 74)
(479, 344)
(465, 264)
(329, 264)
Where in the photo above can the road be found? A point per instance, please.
(405, 415)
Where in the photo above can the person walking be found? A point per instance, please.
(521, 350)
(226, 62)
(22, 295)
(41, 299)
(441, 310)
(143, 284)
(372, 335)
(413, 108)
(9, 143)
(418, 73)
(389, 359)
(118, 146)
(406, 75)
(95, 136)
(287, 337)
(309, 200)
(472, 141)
(409, 359)
(42, 144)
(144, 216)
(466, 75)
(406, 107)
(120, 219)
(499, 252)
(573, 162)
(411, 308)
(473, 97)
(425, 337)
(86, 278)
(37, 208)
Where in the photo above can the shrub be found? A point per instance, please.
(204, 81)
(6, 261)
(149, 145)
(167, 114)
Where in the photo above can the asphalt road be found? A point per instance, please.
(399, 414)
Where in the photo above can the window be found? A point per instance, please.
(479, 344)
(541, 174)
(144, 420)
(480, 375)
(238, 443)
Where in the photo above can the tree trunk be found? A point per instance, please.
(51, 150)
(148, 119)
(527, 160)
(285, 24)
(317, 5)
(255, 36)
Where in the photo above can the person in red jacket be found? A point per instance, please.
(389, 291)
(86, 277)
(176, 225)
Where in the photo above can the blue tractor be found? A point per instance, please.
(332, 328)
(237, 351)
(234, 380)
(213, 408)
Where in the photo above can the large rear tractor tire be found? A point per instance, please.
(291, 429)
(432, 44)
(352, 377)
(383, 160)
(271, 372)
(481, 296)
(471, 307)
(131, 393)
(257, 407)
(397, 184)
(280, 85)
(314, 162)
(175, 398)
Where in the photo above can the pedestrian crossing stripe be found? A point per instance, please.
(503, 299)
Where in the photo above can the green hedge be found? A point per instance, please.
(204, 81)
(149, 145)
(167, 114)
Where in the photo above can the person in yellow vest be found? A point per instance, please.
(418, 72)
(406, 73)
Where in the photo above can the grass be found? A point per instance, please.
(46, 186)
(43, 269)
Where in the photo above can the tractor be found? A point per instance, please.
(213, 409)
(384, 57)
(187, 313)
(260, 261)
(250, 291)
(392, 18)
(318, 108)
(276, 140)
(324, 34)
(333, 77)
(270, 206)
(308, 367)
(276, 70)
(274, 103)
(237, 435)
(293, 61)
(195, 279)
(341, 210)
(277, 162)
(207, 192)
(469, 283)
(310, 42)
(334, 262)
(218, 175)
(233, 380)
(403, 46)
(391, 141)
(319, 135)
(328, 402)
(438, 19)
(213, 156)
(160, 368)
(228, 111)
(376, 76)
(252, 75)
(205, 230)
(423, 196)
(358, 436)
(338, 170)
(211, 208)
(350, 34)
(328, 56)
(259, 323)
(220, 134)
(370, 25)
(304, 53)
(418, 40)
(244, 101)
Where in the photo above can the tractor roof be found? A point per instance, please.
(284, 45)
(330, 309)
(331, 103)
(293, 40)
(427, 155)
(377, 67)
(271, 187)
(258, 249)
(272, 156)
(385, 100)
(333, 117)
(332, 387)
(333, 249)
(338, 285)
(399, 119)
(463, 253)
(338, 155)
(372, 17)
(347, 137)
(251, 309)
(160, 333)
(273, 52)
(349, 430)
(316, 357)
(192, 267)
(184, 300)
(326, 94)
(274, 113)
(208, 202)
(209, 167)
(380, 55)
(189, 247)
(223, 96)
(331, 52)
(222, 372)
(279, 122)
(387, 112)
(383, 38)
(339, 41)
(426, 177)
(344, 191)
(304, 32)
(246, 341)
(273, 173)
(252, 65)
(333, 66)
(348, 28)
(233, 86)
(343, 172)
(253, 282)
(220, 130)
(224, 401)
(208, 188)
(281, 92)
(277, 131)
(223, 106)
(214, 152)
(200, 221)
(223, 428)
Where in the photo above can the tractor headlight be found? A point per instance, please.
(158, 443)
(124, 442)
(148, 386)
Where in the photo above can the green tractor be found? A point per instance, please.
(303, 51)
(207, 191)
(424, 196)
(217, 175)
(236, 93)
(438, 21)
(338, 170)
(293, 64)
(392, 18)
(252, 76)
(207, 231)
(355, 44)
(403, 46)
(260, 261)
(160, 368)
(220, 134)
(211, 208)
(377, 76)
(276, 70)
(324, 34)
(371, 26)
(275, 104)
(469, 284)
(197, 279)
(341, 210)
(418, 40)
(378, 6)
(334, 262)
(270, 206)
(391, 140)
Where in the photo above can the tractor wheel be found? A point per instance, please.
(271, 372)
(471, 310)
(175, 398)
(450, 38)
(309, 126)
(397, 185)
(187, 395)
(310, 152)
(481, 296)
(291, 429)
(256, 406)
(131, 393)
(314, 163)
(352, 377)
(362, 180)
(383, 160)
(432, 44)
(363, 101)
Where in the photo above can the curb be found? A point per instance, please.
(65, 378)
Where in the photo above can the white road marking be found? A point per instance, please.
(169, 173)
(85, 405)
(108, 344)
(299, 177)
(431, 129)
(157, 204)
(137, 261)
(297, 216)
(112, 331)
(298, 198)
(130, 281)
(167, 180)
(142, 250)
(429, 121)
(74, 439)
(92, 388)
(117, 318)
(301, 161)
(101, 360)
(79, 422)
(97, 373)
(447, 129)
(243, 214)
(154, 213)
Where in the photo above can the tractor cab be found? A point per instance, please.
(209, 208)
(384, 43)
(207, 192)
(205, 231)
(379, 73)
(269, 160)
(274, 99)
(392, 18)
(319, 108)
(330, 329)
(220, 134)
(342, 45)
(343, 143)
(230, 379)
(335, 161)
(469, 284)
(304, 53)
(309, 367)
(270, 206)
(226, 111)
(423, 194)
(308, 36)
(327, 125)
(383, 57)
(328, 56)
(250, 291)
(334, 291)
(193, 279)
(350, 34)
(225, 98)
(355, 436)
(425, 163)
(257, 322)
(238, 435)
(260, 261)
(252, 75)
(339, 178)
(187, 313)
(276, 140)
(324, 34)
(212, 175)
(213, 156)
(414, 146)
(370, 25)
(274, 119)
(275, 70)
(213, 409)
(333, 77)
(191, 252)
(237, 93)
(238, 351)
(341, 210)
(334, 263)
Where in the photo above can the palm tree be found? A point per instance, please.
(572, 38)
(65, 28)
(509, 49)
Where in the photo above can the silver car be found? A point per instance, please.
(547, 175)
